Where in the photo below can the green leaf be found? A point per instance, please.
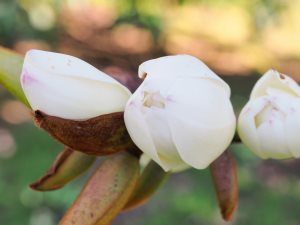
(106, 193)
(68, 165)
(224, 174)
(10, 70)
(150, 180)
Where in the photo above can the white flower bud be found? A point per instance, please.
(67, 87)
(181, 115)
(269, 124)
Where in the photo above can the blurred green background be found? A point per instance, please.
(239, 39)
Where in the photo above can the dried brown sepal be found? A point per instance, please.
(149, 181)
(67, 166)
(224, 174)
(106, 193)
(102, 135)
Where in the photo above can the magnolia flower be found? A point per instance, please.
(269, 124)
(67, 87)
(181, 115)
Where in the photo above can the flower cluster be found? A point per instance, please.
(180, 116)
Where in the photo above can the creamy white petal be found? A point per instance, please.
(247, 128)
(200, 101)
(160, 132)
(65, 65)
(67, 94)
(139, 131)
(199, 146)
(280, 99)
(275, 80)
(184, 66)
(199, 131)
(272, 139)
(156, 129)
(74, 98)
(161, 136)
(292, 131)
(283, 101)
(187, 110)
(271, 130)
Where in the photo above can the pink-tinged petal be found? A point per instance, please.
(26, 78)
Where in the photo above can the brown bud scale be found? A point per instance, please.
(152, 177)
(67, 166)
(106, 192)
(102, 135)
(224, 174)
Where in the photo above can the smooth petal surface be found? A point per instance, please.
(198, 130)
(198, 146)
(176, 66)
(161, 135)
(247, 125)
(67, 87)
(200, 100)
(139, 131)
(272, 139)
(292, 131)
(274, 79)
